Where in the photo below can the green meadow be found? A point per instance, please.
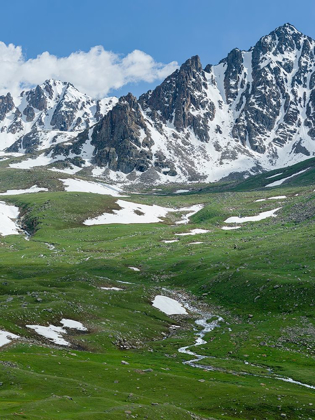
(260, 279)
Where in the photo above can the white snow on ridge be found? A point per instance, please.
(139, 213)
(273, 176)
(281, 181)
(168, 306)
(6, 337)
(134, 268)
(112, 288)
(33, 189)
(8, 215)
(79, 185)
(261, 216)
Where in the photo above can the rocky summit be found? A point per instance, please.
(252, 112)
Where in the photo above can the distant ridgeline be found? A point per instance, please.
(252, 112)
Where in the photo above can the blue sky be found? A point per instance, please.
(166, 30)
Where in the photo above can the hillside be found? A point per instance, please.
(80, 337)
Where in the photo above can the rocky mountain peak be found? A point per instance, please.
(287, 29)
(178, 98)
(192, 64)
(255, 110)
(130, 99)
(282, 40)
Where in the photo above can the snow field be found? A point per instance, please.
(140, 213)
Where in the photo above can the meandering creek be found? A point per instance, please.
(214, 322)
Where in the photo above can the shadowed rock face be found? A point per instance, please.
(37, 99)
(29, 113)
(6, 105)
(121, 138)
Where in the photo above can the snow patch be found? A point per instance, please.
(40, 160)
(6, 337)
(79, 185)
(273, 176)
(168, 306)
(8, 215)
(33, 189)
(230, 227)
(193, 232)
(191, 211)
(260, 216)
(181, 191)
(139, 213)
(51, 332)
(69, 323)
(281, 181)
(278, 197)
(54, 333)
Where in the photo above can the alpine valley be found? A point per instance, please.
(133, 286)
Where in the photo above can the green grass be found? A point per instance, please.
(260, 279)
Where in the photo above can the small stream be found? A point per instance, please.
(208, 327)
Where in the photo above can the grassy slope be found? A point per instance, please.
(260, 279)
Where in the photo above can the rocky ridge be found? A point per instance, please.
(253, 111)
(50, 113)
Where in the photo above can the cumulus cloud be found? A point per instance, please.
(96, 72)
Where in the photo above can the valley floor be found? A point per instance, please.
(85, 333)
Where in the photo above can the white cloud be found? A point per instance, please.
(96, 72)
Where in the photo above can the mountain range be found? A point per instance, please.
(252, 112)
